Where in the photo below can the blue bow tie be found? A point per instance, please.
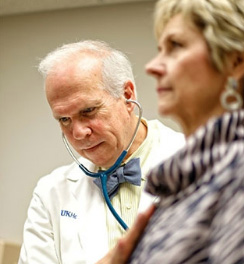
(130, 172)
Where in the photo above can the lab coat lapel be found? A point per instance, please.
(92, 229)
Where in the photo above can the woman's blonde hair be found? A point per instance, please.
(220, 21)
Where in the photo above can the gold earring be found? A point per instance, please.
(230, 92)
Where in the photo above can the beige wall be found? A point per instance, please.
(30, 142)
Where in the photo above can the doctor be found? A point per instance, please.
(87, 85)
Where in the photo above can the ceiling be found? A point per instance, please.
(11, 7)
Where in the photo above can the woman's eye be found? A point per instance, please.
(175, 44)
(64, 121)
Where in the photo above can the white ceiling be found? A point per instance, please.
(10, 7)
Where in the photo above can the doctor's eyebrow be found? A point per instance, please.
(92, 106)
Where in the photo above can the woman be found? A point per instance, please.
(200, 82)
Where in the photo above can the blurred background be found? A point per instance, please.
(30, 142)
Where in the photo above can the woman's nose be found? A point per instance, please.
(80, 130)
(156, 66)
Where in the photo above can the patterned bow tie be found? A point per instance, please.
(130, 172)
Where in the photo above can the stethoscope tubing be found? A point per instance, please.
(103, 178)
(104, 174)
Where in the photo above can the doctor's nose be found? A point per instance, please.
(80, 130)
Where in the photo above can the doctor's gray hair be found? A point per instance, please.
(116, 67)
(220, 21)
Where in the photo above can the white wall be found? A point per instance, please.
(30, 142)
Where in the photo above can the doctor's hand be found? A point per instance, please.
(122, 251)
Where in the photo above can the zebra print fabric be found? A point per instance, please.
(200, 216)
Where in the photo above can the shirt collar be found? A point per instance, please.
(140, 152)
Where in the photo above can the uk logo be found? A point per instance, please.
(68, 214)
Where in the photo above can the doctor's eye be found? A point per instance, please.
(65, 121)
(89, 110)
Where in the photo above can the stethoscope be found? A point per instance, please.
(103, 175)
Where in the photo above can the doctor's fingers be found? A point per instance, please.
(122, 251)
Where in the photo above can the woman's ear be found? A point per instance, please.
(238, 66)
(238, 73)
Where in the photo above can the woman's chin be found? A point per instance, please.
(165, 110)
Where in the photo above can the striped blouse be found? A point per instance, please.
(200, 216)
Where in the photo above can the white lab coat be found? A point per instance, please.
(67, 220)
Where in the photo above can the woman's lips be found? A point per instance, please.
(163, 89)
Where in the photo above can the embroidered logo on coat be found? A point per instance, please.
(68, 214)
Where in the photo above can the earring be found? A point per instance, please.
(230, 92)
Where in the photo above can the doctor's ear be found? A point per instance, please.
(129, 91)
(130, 105)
